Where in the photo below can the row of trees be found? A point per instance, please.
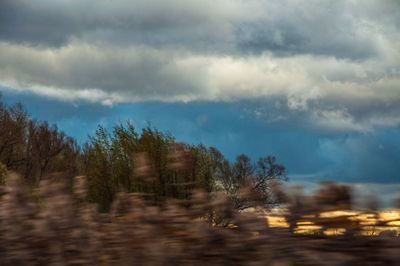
(151, 163)
(154, 164)
(34, 149)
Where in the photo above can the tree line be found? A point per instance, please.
(32, 148)
(150, 163)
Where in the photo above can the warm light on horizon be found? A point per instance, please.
(368, 221)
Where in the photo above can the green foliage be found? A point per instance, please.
(99, 169)
(153, 164)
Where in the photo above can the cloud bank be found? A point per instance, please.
(330, 65)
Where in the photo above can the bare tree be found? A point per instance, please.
(13, 121)
(248, 184)
(33, 148)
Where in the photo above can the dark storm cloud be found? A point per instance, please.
(21, 22)
(170, 22)
(326, 28)
(334, 28)
(286, 39)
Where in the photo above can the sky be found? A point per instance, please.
(315, 83)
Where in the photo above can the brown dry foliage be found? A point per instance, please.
(54, 225)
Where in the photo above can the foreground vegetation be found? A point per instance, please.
(56, 226)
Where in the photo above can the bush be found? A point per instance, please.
(65, 230)
(3, 173)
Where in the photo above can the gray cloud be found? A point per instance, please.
(334, 94)
(122, 22)
(333, 65)
(127, 75)
(335, 28)
(311, 27)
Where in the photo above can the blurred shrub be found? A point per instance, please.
(66, 230)
(3, 173)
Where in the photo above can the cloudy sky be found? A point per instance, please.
(316, 83)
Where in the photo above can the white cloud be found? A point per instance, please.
(110, 75)
(140, 73)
